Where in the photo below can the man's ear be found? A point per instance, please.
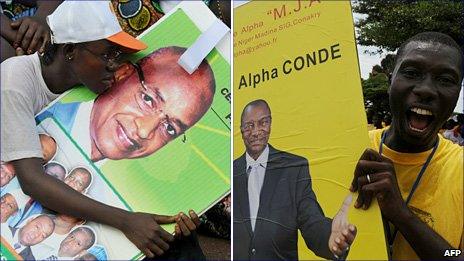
(124, 71)
(69, 51)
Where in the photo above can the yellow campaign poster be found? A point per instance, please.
(300, 57)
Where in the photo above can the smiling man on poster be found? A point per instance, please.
(150, 104)
(273, 199)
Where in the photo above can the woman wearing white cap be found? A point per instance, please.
(86, 47)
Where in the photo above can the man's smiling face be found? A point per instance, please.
(424, 90)
(79, 179)
(76, 241)
(134, 120)
(36, 230)
(255, 128)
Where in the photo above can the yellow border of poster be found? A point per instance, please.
(300, 56)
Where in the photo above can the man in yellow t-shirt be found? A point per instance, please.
(415, 174)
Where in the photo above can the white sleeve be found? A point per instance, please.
(19, 136)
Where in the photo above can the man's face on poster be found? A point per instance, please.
(79, 179)
(55, 170)
(8, 207)
(36, 230)
(48, 147)
(7, 173)
(255, 128)
(131, 121)
(77, 241)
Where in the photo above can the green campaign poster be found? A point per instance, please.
(157, 141)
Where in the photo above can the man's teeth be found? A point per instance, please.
(421, 111)
(126, 138)
(415, 129)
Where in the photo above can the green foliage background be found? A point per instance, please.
(390, 22)
(387, 24)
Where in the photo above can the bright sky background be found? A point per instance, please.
(367, 61)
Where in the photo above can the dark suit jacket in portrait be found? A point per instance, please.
(287, 203)
(26, 254)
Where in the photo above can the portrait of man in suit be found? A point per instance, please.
(33, 231)
(273, 199)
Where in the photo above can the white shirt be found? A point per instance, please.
(6, 233)
(23, 94)
(18, 247)
(256, 170)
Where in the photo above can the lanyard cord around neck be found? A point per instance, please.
(414, 186)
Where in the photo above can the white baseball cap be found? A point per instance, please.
(85, 21)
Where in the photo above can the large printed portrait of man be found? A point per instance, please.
(150, 103)
(145, 135)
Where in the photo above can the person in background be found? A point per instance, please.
(455, 132)
(135, 16)
(23, 26)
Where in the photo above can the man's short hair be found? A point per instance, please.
(431, 37)
(259, 102)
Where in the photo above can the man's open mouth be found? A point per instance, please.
(419, 119)
(128, 143)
